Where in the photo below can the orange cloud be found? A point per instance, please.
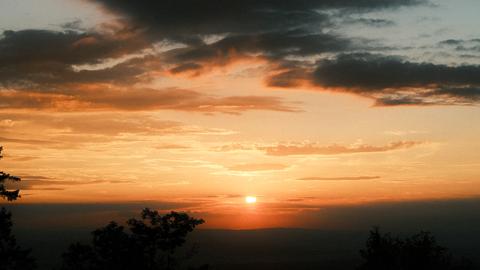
(104, 98)
(168, 146)
(334, 149)
(342, 178)
(47, 183)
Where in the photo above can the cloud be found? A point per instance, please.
(370, 22)
(250, 167)
(171, 146)
(234, 147)
(45, 59)
(272, 30)
(25, 141)
(190, 17)
(367, 72)
(23, 158)
(113, 66)
(272, 45)
(46, 76)
(262, 28)
(103, 98)
(343, 178)
(334, 149)
(462, 45)
(6, 123)
(69, 47)
(99, 126)
(394, 81)
(47, 183)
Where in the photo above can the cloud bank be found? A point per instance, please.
(112, 66)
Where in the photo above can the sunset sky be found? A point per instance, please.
(197, 104)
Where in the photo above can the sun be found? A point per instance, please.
(250, 199)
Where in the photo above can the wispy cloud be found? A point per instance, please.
(47, 183)
(334, 149)
(26, 141)
(104, 98)
(340, 178)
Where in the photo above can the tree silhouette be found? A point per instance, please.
(418, 252)
(12, 257)
(149, 244)
(4, 193)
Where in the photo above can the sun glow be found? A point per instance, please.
(250, 199)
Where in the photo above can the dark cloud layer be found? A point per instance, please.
(47, 183)
(38, 72)
(69, 47)
(45, 60)
(368, 72)
(462, 45)
(394, 81)
(90, 69)
(272, 45)
(371, 22)
(193, 17)
(265, 28)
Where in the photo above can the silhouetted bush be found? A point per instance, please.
(12, 257)
(10, 195)
(150, 243)
(418, 252)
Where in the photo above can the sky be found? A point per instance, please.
(195, 105)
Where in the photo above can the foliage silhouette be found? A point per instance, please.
(418, 252)
(12, 257)
(4, 193)
(149, 244)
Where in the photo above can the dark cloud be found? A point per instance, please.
(273, 45)
(394, 81)
(402, 100)
(451, 42)
(47, 183)
(91, 69)
(191, 17)
(43, 76)
(46, 60)
(75, 25)
(261, 28)
(287, 78)
(185, 67)
(370, 22)
(68, 47)
(444, 95)
(462, 45)
(367, 72)
(472, 93)
(456, 42)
